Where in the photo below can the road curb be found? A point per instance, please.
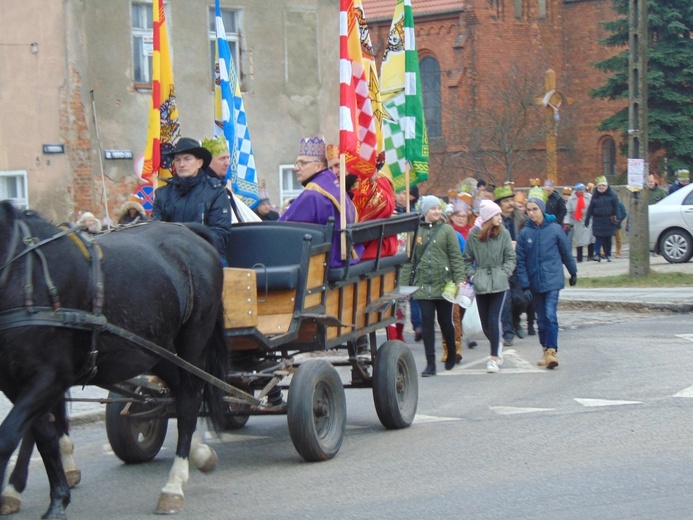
(87, 418)
(679, 308)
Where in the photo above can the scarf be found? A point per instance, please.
(580, 206)
(464, 231)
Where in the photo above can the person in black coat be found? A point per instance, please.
(555, 205)
(603, 213)
(193, 196)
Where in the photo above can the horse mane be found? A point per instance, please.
(39, 225)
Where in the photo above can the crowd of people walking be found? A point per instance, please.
(510, 245)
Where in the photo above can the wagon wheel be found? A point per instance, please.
(233, 420)
(134, 437)
(395, 385)
(316, 411)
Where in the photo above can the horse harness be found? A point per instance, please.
(32, 315)
(94, 321)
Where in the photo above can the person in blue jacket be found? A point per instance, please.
(542, 250)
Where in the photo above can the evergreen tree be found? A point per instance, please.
(669, 77)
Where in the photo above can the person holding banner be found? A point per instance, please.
(193, 196)
(320, 198)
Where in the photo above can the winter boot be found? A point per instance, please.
(400, 331)
(430, 369)
(542, 361)
(451, 358)
(391, 331)
(458, 347)
(551, 358)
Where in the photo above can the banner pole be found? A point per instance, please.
(342, 205)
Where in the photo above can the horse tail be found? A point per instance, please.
(217, 366)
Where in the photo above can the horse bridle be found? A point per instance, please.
(33, 245)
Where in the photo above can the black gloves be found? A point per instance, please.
(528, 294)
(573, 279)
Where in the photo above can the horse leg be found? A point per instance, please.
(10, 500)
(202, 456)
(67, 447)
(72, 471)
(48, 445)
(187, 407)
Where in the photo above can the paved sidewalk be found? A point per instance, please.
(641, 299)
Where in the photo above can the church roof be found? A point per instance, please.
(384, 9)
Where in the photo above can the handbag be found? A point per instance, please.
(415, 262)
(465, 295)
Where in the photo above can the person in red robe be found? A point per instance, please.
(373, 197)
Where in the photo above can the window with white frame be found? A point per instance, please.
(143, 40)
(231, 19)
(13, 187)
(289, 187)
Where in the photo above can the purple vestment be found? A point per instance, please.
(316, 204)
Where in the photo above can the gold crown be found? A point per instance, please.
(332, 152)
(537, 193)
(216, 146)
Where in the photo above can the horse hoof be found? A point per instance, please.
(74, 477)
(169, 504)
(205, 459)
(9, 505)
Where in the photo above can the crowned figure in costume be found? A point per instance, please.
(320, 198)
(218, 169)
(374, 197)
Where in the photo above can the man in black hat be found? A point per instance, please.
(193, 196)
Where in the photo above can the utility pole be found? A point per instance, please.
(637, 136)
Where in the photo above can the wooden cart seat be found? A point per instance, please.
(273, 250)
(367, 266)
(374, 230)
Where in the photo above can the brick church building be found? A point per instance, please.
(483, 66)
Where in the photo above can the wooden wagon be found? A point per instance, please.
(291, 323)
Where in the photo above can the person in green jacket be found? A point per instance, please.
(489, 261)
(436, 261)
(657, 193)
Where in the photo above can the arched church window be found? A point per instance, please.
(430, 90)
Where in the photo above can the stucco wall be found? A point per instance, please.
(85, 45)
(32, 92)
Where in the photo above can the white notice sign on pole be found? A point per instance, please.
(636, 173)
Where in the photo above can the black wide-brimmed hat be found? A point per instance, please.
(193, 147)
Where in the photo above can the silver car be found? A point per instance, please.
(671, 226)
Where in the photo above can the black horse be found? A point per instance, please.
(73, 311)
(10, 501)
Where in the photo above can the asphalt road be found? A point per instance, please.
(607, 435)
